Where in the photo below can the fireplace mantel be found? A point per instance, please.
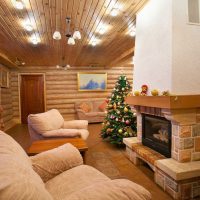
(170, 102)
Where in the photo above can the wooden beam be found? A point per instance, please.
(127, 54)
(6, 61)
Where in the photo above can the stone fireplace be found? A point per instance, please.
(175, 120)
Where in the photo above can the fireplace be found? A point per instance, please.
(156, 134)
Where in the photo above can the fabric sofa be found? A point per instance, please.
(92, 111)
(51, 124)
(57, 174)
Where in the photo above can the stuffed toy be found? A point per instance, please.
(144, 90)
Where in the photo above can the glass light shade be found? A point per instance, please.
(19, 5)
(56, 35)
(77, 35)
(71, 41)
(114, 12)
(57, 66)
(68, 66)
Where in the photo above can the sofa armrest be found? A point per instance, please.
(112, 190)
(50, 163)
(81, 114)
(75, 124)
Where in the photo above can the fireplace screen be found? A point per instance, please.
(156, 134)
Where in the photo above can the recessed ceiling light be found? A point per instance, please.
(114, 12)
(18, 4)
(132, 33)
(28, 27)
(102, 28)
(35, 39)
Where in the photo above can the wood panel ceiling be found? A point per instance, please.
(86, 15)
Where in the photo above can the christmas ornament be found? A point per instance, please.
(125, 109)
(114, 106)
(110, 105)
(118, 103)
(127, 122)
(120, 131)
(116, 119)
(122, 89)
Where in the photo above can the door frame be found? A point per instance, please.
(19, 90)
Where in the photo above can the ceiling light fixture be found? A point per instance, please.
(19, 62)
(102, 28)
(71, 38)
(94, 41)
(65, 67)
(18, 4)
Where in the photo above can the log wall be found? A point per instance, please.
(6, 103)
(61, 87)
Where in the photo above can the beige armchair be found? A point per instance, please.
(57, 174)
(51, 124)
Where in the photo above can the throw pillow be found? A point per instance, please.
(102, 107)
(85, 107)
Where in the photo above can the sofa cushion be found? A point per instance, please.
(62, 133)
(86, 107)
(46, 121)
(73, 180)
(50, 163)
(17, 178)
(102, 106)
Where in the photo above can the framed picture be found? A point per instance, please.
(4, 78)
(89, 81)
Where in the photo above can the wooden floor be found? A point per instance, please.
(106, 158)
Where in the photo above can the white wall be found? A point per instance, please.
(154, 46)
(167, 52)
(186, 52)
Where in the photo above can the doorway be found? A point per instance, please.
(32, 97)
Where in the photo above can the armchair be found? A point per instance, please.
(57, 174)
(51, 124)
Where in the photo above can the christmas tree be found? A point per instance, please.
(120, 121)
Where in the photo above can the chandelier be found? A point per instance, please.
(70, 37)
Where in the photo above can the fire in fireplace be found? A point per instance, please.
(156, 134)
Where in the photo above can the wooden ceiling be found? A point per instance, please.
(115, 45)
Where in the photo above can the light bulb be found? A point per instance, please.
(71, 41)
(57, 66)
(68, 66)
(77, 35)
(19, 5)
(56, 35)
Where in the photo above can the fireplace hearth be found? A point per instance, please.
(156, 134)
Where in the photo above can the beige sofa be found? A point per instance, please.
(57, 174)
(92, 111)
(51, 124)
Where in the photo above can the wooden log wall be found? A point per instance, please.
(6, 103)
(61, 87)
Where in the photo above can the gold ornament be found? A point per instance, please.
(120, 131)
(137, 93)
(125, 109)
(154, 92)
(114, 106)
(110, 105)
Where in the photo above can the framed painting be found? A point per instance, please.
(4, 78)
(89, 81)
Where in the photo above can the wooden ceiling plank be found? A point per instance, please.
(91, 32)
